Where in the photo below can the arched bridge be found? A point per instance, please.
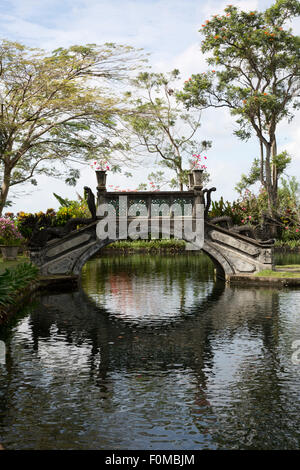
(166, 213)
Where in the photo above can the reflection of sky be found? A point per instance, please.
(54, 352)
(289, 326)
(289, 309)
(230, 357)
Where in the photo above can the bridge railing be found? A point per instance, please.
(152, 204)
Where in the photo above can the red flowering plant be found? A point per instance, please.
(100, 165)
(196, 163)
(246, 210)
(9, 234)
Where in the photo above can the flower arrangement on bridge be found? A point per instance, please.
(100, 165)
(197, 162)
(9, 234)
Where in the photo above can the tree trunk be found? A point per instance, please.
(268, 176)
(272, 184)
(262, 162)
(4, 188)
(274, 175)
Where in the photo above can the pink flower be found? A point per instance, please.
(297, 230)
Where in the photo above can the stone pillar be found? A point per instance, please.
(198, 179)
(101, 186)
(191, 180)
(197, 187)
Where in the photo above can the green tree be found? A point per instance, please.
(56, 106)
(289, 194)
(282, 161)
(161, 126)
(256, 58)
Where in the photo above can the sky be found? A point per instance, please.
(169, 31)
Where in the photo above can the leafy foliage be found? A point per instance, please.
(68, 209)
(157, 126)
(250, 207)
(58, 108)
(13, 281)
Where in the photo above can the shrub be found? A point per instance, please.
(26, 221)
(249, 209)
(9, 233)
(13, 281)
(73, 210)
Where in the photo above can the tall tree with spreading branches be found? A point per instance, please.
(162, 127)
(58, 106)
(255, 74)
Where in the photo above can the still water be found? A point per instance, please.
(151, 353)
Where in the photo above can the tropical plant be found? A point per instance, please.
(26, 221)
(74, 209)
(250, 209)
(14, 281)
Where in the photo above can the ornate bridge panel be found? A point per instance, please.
(234, 253)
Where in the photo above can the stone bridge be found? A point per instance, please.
(155, 211)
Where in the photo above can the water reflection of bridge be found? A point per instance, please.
(109, 350)
(77, 318)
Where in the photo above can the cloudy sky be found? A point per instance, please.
(168, 30)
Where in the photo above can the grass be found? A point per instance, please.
(277, 274)
(12, 264)
(296, 266)
(153, 246)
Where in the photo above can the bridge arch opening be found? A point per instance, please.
(221, 264)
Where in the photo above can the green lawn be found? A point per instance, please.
(293, 266)
(278, 274)
(12, 264)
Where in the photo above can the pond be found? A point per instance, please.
(152, 353)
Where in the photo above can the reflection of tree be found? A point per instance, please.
(124, 284)
(121, 288)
